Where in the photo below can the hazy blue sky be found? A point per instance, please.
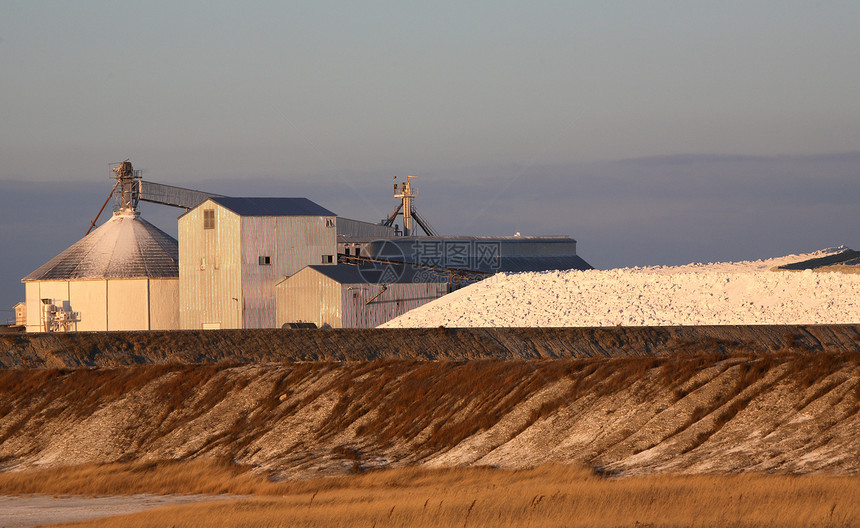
(534, 116)
(196, 89)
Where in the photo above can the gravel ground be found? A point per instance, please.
(37, 510)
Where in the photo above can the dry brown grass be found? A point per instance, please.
(207, 476)
(548, 496)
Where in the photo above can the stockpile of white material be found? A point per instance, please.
(695, 294)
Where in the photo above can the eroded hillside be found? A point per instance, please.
(795, 413)
(113, 349)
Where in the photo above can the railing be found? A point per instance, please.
(8, 316)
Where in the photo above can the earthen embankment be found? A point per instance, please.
(786, 413)
(112, 349)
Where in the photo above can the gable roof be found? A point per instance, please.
(272, 206)
(126, 246)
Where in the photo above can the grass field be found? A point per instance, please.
(547, 496)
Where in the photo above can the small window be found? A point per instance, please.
(329, 222)
(357, 251)
(327, 259)
(209, 219)
(346, 251)
(265, 261)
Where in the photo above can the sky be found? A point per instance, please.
(652, 132)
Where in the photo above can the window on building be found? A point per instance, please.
(327, 259)
(346, 251)
(209, 219)
(357, 251)
(265, 260)
(329, 222)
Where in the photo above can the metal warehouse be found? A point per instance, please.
(484, 254)
(351, 296)
(233, 250)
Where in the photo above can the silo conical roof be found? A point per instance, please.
(126, 246)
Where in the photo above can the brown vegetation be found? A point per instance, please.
(548, 496)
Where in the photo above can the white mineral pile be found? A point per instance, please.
(695, 294)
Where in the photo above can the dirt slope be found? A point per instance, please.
(111, 349)
(795, 413)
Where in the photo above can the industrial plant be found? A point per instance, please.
(269, 262)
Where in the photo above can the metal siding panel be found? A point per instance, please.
(163, 302)
(515, 253)
(357, 228)
(231, 269)
(187, 250)
(190, 253)
(205, 295)
(292, 242)
(89, 298)
(127, 304)
(33, 295)
(257, 240)
(395, 301)
(225, 271)
(308, 296)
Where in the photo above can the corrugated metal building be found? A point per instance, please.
(347, 227)
(231, 253)
(122, 276)
(233, 250)
(476, 253)
(349, 296)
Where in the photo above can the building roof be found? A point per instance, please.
(484, 254)
(847, 257)
(375, 274)
(272, 206)
(524, 239)
(519, 264)
(126, 246)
